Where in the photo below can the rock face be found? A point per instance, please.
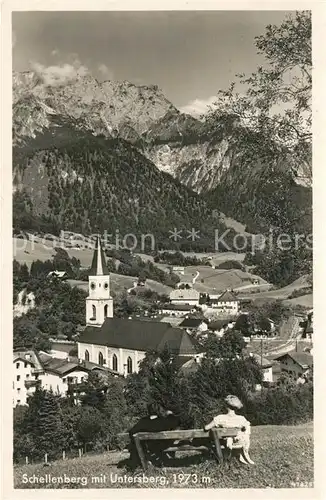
(109, 105)
(209, 163)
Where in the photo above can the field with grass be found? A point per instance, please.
(280, 293)
(26, 251)
(214, 281)
(119, 283)
(283, 457)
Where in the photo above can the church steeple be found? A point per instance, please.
(99, 303)
(99, 267)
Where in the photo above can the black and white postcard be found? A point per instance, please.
(159, 194)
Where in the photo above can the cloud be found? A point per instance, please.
(105, 72)
(56, 75)
(198, 107)
(54, 52)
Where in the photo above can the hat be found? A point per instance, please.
(233, 402)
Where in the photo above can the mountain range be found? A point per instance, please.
(89, 153)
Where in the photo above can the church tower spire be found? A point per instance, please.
(99, 267)
(99, 303)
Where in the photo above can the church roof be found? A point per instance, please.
(140, 336)
(99, 267)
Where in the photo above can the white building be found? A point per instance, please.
(176, 310)
(26, 370)
(178, 269)
(185, 297)
(266, 366)
(32, 370)
(226, 303)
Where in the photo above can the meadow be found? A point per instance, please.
(283, 457)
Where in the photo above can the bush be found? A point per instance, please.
(288, 403)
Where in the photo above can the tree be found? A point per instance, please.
(268, 118)
(94, 391)
(89, 425)
(230, 346)
(285, 82)
(27, 334)
(43, 424)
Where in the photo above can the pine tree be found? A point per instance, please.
(44, 424)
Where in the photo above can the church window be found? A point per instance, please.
(105, 311)
(100, 359)
(129, 365)
(86, 355)
(114, 363)
(106, 286)
(92, 286)
(94, 312)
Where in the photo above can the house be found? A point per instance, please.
(178, 270)
(32, 370)
(194, 324)
(27, 367)
(226, 303)
(186, 281)
(266, 366)
(175, 309)
(120, 344)
(308, 326)
(59, 373)
(220, 326)
(295, 363)
(185, 297)
(58, 274)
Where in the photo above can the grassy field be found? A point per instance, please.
(283, 458)
(118, 283)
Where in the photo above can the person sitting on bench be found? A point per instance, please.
(231, 419)
(157, 420)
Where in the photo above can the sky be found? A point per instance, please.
(189, 55)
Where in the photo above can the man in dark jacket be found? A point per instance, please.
(157, 420)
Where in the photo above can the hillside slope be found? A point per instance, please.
(208, 160)
(77, 181)
(283, 458)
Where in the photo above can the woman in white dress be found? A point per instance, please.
(231, 419)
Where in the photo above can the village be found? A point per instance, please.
(112, 346)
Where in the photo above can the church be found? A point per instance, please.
(120, 344)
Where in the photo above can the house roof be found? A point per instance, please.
(177, 307)
(140, 336)
(303, 359)
(227, 296)
(63, 367)
(184, 294)
(173, 320)
(60, 366)
(219, 323)
(263, 362)
(63, 347)
(191, 323)
(29, 356)
(59, 274)
(189, 366)
(99, 267)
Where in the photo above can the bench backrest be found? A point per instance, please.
(188, 434)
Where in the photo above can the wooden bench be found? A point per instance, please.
(212, 437)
